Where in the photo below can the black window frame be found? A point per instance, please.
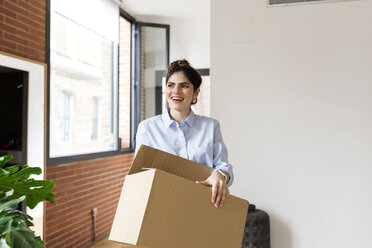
(138, 30)
(135, 102)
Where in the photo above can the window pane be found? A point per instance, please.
(83, 64)
(153, 60)
(95, 118)
(65, 109)
(124, 82)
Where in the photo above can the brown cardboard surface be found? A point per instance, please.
(180, 214)
(148, 157)
(158, 209)
(132, 246)
(112, 244)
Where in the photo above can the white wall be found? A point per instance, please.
(189, 38)
(292, 90)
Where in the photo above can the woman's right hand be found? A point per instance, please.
(220, 191)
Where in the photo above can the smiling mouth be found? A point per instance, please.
(177, 99)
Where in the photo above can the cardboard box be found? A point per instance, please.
(163, 207)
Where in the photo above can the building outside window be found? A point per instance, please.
(83, 62)
(95, 118)
(65, 116)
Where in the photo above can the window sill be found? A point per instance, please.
(84, 157)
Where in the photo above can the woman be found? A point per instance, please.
(179, 131)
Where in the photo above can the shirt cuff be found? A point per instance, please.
(228, 169)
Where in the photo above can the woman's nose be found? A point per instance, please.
(176, 89)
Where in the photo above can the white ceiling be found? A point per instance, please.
(168, 8)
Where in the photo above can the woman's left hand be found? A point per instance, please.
(220, 191)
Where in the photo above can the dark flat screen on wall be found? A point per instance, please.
(11, 105)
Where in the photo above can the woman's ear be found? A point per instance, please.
(196, 93)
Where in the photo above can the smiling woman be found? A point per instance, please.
(181, 132)
(180, 92)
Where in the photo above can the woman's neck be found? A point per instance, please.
(178, 116)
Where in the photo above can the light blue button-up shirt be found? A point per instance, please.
(197, 138)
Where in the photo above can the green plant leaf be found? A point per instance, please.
(14, 227)
(5, 159)
(33, 195)
(16, 186)
(22, 174)
(14, 168)
(5, 225)
(14, 220)
(5, 203)
(5, 194)
(3, 172)
(23, 239)
(18, 217)
(35, 190)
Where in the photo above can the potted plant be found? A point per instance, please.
(17, 186)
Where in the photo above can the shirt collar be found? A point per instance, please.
(169, 122)
(190, 118)
(166, 118)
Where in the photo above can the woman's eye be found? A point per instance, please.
(169, 85)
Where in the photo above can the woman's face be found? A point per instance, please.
(180, 92)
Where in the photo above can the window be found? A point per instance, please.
(95, 118)
(101, 78)
(154, 50)
(64, 116)
(84, 63)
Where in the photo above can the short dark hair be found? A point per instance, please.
(183, 65)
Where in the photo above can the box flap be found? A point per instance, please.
(148, 157)
(132, 207)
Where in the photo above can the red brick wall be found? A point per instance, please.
(22, 28)
(80, 187)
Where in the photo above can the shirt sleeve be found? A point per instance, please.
(220, 156)
(141, 137)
